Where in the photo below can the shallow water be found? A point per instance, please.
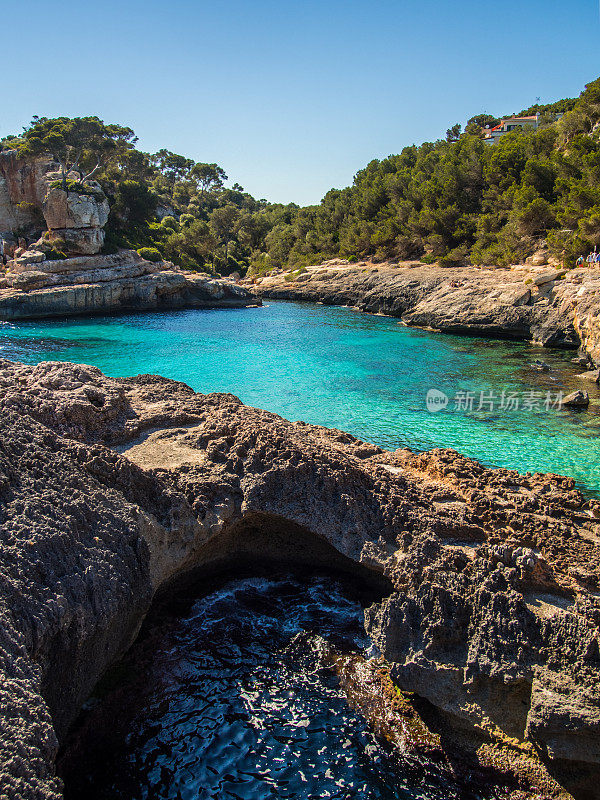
(238, 698)
(365, 374)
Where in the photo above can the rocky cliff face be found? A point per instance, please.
(34, 288)
(31, 202)
(114, 489)
(546, 306)
(76, 219)
(23, 187)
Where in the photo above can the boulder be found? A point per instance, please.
(79, 241)
(539, 258)
(577, 399)
(548, 277)
(75, 210)
(76, 219)
(29, 257)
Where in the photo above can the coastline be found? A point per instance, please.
(110, 284)
(541, 305)
(139, 484)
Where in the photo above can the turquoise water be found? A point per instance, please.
(336, 367)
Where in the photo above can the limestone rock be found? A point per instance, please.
(567, 723)
(577, 399)
(29, 198)
(84, 241)
(23, 186)
(73, 210)
(37, 288)
(491, 579)
(548, 277)
(539, 258)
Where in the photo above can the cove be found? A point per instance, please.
(332, 366)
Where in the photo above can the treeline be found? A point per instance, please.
(456, 201)
(462, 200)
(163, 204)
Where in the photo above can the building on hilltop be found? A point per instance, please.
(508, 124)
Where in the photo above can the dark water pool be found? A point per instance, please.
(239, 698)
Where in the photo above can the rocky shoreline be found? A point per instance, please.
(543, 305)
(105, 284)
(115, 490)
(58, 270)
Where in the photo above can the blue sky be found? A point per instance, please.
(292, 98)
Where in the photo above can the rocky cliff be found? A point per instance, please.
(555, 308)
(112, 490)
(32, 201)
(34, 288)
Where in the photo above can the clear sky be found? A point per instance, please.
(291, 98)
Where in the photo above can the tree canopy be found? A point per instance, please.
(458, 200)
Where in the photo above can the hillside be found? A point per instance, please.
(457, 201)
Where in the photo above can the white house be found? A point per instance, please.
(509, 124)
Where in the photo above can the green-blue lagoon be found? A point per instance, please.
(332, 366)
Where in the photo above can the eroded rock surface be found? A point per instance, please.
(550, 307)
(113, 489)
(34, 288)
(33, 198)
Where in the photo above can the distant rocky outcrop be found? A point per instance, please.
(76, 220)
(34, 287)
(57, 269)
(554, 308)
(33, 202)
(113, 489)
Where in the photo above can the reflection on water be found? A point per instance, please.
(333, 366)
(237, 698)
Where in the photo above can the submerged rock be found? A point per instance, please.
(540, 366)
(114, 489)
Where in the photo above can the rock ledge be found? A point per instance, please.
(114, 489)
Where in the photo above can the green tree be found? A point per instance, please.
(173, 166)
(75, 143)
(222, 224)
(453, 133)
(208, 177)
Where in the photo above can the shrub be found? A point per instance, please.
(54, 255)
(455, 258)
(79, 188)
(150, 254)
(170, 222)
(291, 276)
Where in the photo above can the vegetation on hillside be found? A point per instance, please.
(457, 201)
